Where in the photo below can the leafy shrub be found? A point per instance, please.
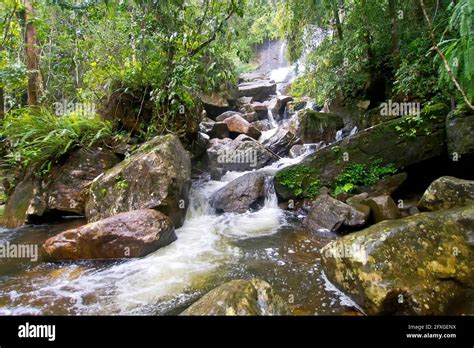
(359, 174)
(37, 137)
(412, 126)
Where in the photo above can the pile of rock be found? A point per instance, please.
(420, 264)
(132, 205)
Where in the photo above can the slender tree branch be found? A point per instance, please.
(214, 34)
(443, 57)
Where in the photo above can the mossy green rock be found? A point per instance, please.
(447, 192)
(312, 127)
(382, 142)
(419, 265)
(240, 297)
(460, 130)
(157, 176)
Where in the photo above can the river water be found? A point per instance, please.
(210, 250)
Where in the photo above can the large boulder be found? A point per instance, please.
(252, 76)
(239, 155)
(240, 297)
(261, 110)
(240, 195)
(281, 142)
(386, 186)
(419, 265)
(215, 129)
(64, 190)
(313, 127)
(228, 114)
(238, 125)
(214, 104)
(327, 213)
(157, 176)
(218, 102)
(448, 192)
(392, 142)
(383, 208)
(131, 234)
(258, 90)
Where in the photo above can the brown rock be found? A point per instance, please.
(383, 208)
(237, 124)
(130, 234)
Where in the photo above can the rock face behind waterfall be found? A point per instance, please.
(240, 297)
(244, 193)
(418, 265)
(64, 190)
(130, 234)
(157, 176)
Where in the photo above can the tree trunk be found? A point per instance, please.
(338, 22)
(2, 104)
(392, 6)
(32, 56)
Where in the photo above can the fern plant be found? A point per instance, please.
(457, 44)
(36, 137)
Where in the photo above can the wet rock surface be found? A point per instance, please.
(239, 297)
(418, 265)
(125, 235)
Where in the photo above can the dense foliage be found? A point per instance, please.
(380, 49)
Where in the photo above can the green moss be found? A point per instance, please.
(121, 183)
(358, 174)
(301, 181)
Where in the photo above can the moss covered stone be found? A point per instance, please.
(379, 142)
(157, 176)
(418, 265)
(313, 127)
(448, 192)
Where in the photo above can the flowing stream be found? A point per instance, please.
(210, 250)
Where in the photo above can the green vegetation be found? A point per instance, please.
(358, 174)
(414, 125)
(149, 58)
(37, 137)
(301, 181)
(377, 50)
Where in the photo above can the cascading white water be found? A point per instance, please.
(208, 247)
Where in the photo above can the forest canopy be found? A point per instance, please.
(155, 58)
